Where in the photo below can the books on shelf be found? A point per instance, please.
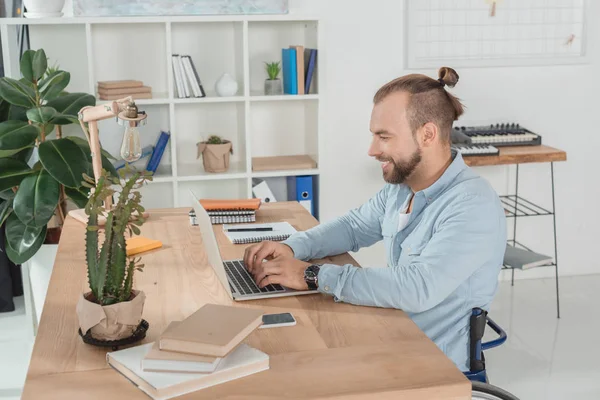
(228, 211)
(299, 69)
(203, 350)
(115, 90)
(516, 257)
(187, 82)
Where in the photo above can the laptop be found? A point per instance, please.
(234, 277)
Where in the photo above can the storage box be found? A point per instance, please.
(109, 8)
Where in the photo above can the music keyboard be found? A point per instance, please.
(476, 149)
(497, 135)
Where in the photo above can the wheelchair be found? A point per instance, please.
(481, 388)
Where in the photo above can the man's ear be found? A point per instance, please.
(429, 132)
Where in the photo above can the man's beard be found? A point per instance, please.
(402, 169)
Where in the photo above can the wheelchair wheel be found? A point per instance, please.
(485, 391)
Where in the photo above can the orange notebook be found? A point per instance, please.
(230, 205)
(139, 244)
(213, 330)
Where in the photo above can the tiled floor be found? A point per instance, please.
(543, 358)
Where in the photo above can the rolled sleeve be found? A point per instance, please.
(299, 246)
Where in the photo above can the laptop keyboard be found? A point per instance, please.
(243, 281)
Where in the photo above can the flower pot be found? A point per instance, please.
(226, 86)
(113, 322)
(215, 157)
(273, 87)
(43, 8)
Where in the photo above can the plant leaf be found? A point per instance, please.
(39, 64)
(18, 113)
(70, 104)
(5, 210)
(64, 119)
(7, 194)
(24, 155)
(37, 198)
(64, 160)
(84, 144)
(12, 172)
(41, 115)
(79, 196)
(22, 241)
(27, 65)
(16, 136)
(17, 93)
(52, 86)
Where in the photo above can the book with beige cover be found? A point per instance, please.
(213, 330)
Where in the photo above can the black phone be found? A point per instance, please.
(276, 320)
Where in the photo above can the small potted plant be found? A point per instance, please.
(273, 85)
(215, 153)
(112, 309)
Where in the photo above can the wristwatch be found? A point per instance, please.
(311, 276)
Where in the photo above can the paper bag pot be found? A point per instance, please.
(112, 322)
(215, 157)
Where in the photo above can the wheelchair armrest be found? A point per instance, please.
(496, 342)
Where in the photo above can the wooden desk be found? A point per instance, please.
(336, 350)
(518, 155)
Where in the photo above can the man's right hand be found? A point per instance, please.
(256, 253)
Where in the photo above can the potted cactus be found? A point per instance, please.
(215, 153)
(273, 85)
(112, 309)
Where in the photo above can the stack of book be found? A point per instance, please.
(201, 351)
(299, 68)
(115, 90)
(185, 75)
(228, 211)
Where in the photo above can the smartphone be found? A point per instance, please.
(277, 320)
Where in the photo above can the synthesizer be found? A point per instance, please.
(497, 135)
(476, 149)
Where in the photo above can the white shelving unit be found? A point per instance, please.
(97, 49)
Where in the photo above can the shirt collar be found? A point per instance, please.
(444, 181)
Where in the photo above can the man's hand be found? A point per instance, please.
(255, 254)
(284, 270)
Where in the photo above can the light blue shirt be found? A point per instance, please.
(444, 263)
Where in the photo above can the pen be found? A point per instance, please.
(250, 230)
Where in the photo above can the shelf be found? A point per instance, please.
(289, 172)
(209, 99)
(258, 96)
(196, 172)
(517, 206)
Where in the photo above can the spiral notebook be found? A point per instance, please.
(281, 231)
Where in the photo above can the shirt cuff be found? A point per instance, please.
(328, 280)
(298, 246)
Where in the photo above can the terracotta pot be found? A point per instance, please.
(215, 157)
(113, 322)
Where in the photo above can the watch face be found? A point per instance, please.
(309, 273)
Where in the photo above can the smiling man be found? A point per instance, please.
(443, 226)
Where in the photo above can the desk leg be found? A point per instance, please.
(512, 280)
(555, 243)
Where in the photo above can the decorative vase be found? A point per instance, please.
(226, 86)
(113, 322)
(43, 8)
(215, 157)
(273, 87)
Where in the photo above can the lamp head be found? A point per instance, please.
(131, 117)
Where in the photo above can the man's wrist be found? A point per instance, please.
(311, 276)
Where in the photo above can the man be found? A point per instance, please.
(443, 226)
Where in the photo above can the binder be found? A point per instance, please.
(300, 188)
(290, 71)
(263, 192)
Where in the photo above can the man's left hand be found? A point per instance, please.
(284, 270)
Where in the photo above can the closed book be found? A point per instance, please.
(515, 257)
(232, 219)
(159, 149)
(299, 67)
(139, 244)
(289, 70)
(243, 361)
(135, 96)
(213, 330)
(126, 83)
(310, 64)
(125, 91)
(230, 205)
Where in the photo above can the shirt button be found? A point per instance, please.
(326, 288)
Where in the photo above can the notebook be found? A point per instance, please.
(242, 361)
(515, 257)
(230, 205)
(281, 231)
(213, 330)
(140, 244)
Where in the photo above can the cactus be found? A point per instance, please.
(110, 274)
(214, 139)
(273, 69)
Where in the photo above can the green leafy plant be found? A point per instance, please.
(214, 139)
(273, 69)
(33, 111)
(110, 271)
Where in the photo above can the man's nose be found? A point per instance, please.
(374, 149)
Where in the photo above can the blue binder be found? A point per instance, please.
(300, 188)
(290, 71)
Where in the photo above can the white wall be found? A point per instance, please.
(363, 49)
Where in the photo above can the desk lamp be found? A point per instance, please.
(127, 114)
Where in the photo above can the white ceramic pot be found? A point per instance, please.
(43, 8)
(226, 86)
